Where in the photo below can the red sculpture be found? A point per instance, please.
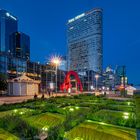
(67, 83)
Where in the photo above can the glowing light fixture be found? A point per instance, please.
(126, 117)
(76, 107)
(126, 113)
(15, 110)
(45, 128)
(128, 103)
(56, 61)
(96, 77)
(71, 109)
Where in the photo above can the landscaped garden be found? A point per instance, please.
(79, 117)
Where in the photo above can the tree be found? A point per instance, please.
(56, 133)
(3, 82)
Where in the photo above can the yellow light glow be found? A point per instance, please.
(15, 110)
(76, 107)
(56, 60)
(126, 113)
(71, 109)
(128, 103)
(102, 123)
(126, 117)
(21, 113)
(45, 128)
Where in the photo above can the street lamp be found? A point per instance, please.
(56, 61)
(96, 77)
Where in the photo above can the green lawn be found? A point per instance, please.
(100, 131)
(4, 135)
(114, 117)
(137, 100)
(37, 116)
(17, 112)
(46, 120)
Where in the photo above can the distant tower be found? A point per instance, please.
(84, 38)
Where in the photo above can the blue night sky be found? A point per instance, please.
(45, 22)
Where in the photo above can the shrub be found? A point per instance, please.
(18, 127)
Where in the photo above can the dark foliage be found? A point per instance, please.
(18, 127)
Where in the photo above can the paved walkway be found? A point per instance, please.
(19, 99)
(11, 100)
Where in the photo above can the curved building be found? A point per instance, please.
(84, 40)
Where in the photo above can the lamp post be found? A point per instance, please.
(56, 61)
(96, 77)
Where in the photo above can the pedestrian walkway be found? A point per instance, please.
(19, 99)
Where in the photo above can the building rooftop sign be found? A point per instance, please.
(9, 15)
(77, 17)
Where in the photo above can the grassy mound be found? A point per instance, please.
(17, 112)
(115, 117)
(45, 121)
(98, 131)
(4, 135)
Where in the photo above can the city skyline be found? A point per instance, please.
(122, 33)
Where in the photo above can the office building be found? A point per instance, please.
(8, 25)
(63, 65)
(46, 73)
(84, 40)
(121, 77)
(20, 45)
(108, 78)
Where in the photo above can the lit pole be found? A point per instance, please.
(56, 79)
(96, 77)
(56, 60)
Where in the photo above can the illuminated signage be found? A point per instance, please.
(8, 15)
(77, 17)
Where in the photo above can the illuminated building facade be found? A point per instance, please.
(84, 38)
(8, 25)
(20, 45)
(14, 46)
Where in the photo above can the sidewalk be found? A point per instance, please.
(19, 99)
(12, 100)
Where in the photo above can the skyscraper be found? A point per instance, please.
(20, 45)
(84, 40)
(8, 25)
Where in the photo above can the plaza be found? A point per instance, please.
(82, 116)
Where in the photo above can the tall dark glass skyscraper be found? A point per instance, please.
(19, 53)
(20, 45)
(84, 38)
(8, 25)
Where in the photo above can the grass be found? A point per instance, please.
(72, 111)
(17, 112)
(93, 130)
(137, 100)
(115, 117)
(4, 135)
(47, 120)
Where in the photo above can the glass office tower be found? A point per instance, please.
(8, 25)
(20, 54)
(20, 45)
(84, 39)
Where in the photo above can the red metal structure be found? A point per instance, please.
(67, 82)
